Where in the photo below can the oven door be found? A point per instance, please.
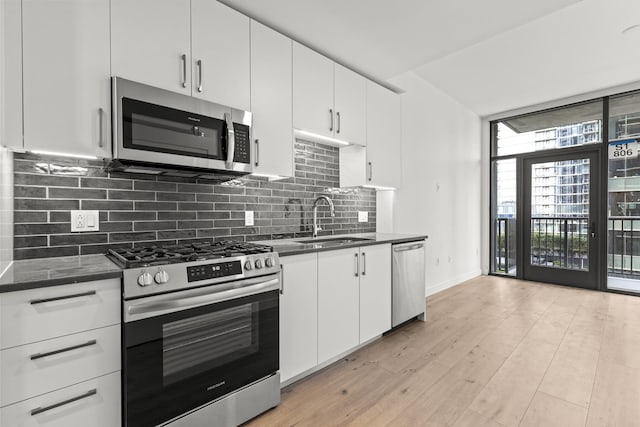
(180, 360)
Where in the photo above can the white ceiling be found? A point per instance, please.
(491, 55)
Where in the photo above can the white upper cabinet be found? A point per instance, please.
(151, 42)
(384, 137)
(271, 102)
(313, 109)
(379, 163)
(328, 99)
(11, 74)
(66, 84)
(220, 54)
(350, 105)
(198, 47)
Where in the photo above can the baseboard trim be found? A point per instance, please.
(430, 290)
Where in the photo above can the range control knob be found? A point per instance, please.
(248, 266)
(258, 263)
(161, 277)
(145, 279)
(268, 262)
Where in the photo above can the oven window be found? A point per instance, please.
(166, 130)
(195, 345)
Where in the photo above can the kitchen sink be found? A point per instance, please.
(334, 240)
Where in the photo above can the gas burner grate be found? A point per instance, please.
(158, 255)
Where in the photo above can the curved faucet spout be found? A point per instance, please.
(316, 202)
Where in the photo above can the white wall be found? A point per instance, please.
(441, 182)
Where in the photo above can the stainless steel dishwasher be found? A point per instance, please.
(408, 294)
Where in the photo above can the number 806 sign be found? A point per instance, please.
(627, 149)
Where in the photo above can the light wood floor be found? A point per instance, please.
(493, 352)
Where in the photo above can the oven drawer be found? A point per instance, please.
(93, 403)
(44, 313)
(33, 369)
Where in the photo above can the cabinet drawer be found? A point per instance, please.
(33, 369)
(93, 403)
(44, 313)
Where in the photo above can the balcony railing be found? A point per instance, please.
(505, 246)
(560, 242)
(623, 254)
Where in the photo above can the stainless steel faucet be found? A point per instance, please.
(332, 211)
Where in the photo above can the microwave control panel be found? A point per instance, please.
(243, 144)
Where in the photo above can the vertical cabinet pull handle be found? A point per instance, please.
(100, 127)
(183, 58)
(357, 264)
(370, 171)
(40, 410)
(199, 64)
(331, 117)
(338, 119)
(281, 279)
(257, 152)
(364, 264)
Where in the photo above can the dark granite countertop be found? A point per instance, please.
(43, 272)
(287, 247)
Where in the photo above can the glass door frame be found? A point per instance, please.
(589, 279)
(602, 205)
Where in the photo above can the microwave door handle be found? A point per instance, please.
(231, 141)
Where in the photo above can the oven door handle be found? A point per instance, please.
(198, 298)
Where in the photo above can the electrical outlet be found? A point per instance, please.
(85, 221)
(248, 218)
(363, 216)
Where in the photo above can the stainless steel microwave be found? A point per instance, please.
(157, 131)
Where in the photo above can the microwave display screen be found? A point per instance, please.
(161, 129)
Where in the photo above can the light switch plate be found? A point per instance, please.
(248, 218)
(85, 221)
(363, 216)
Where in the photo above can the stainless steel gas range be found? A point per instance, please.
(200, 333)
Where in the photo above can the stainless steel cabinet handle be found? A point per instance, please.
(364, 264)
(357, 264)
(408, 248)
(100, 127)
(257, 152)
(199, 65)
(231, 141)
(331, 116)
(338, 118)
(43, 300)
(281, 279)
(37, 411)
(62, 350)
(183, 58)
(370, 171)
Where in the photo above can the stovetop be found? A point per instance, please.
(160, 255)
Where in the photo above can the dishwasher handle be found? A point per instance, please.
(408, 247)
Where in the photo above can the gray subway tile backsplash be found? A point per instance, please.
(138, 209)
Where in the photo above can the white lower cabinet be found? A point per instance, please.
(34, 369)
(330, 303)
(298, 315)
(375, 291)
(39, 314)
(338, 301)
(93, 403)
